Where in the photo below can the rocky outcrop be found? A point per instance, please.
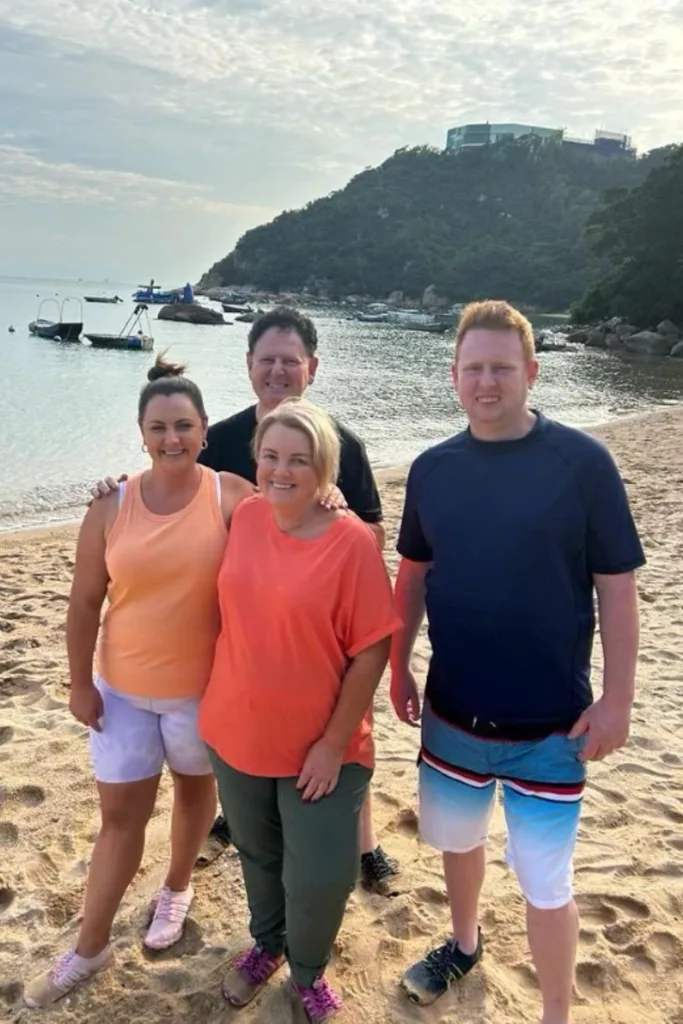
(190, 313)
(668, 329)
(677, 351)
(649, 343)
(620, 335)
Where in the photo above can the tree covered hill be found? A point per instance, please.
(506, 220)
(640, 232)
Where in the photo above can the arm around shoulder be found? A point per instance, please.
(234, 489)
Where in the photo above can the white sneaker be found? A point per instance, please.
(169, 918)
(69, 971)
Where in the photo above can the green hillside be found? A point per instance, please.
(505, 220)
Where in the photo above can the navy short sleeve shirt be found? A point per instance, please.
(515, 532)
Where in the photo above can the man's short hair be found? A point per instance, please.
(496, 315)
(285, 319)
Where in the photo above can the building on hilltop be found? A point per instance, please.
(467, 136)
(471, 136)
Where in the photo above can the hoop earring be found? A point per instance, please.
(310, 380)
(205, 445)
(144, 448)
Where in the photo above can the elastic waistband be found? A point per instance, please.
(511, 731)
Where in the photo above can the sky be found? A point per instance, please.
(142, 138)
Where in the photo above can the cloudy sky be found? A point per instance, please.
(141, 138)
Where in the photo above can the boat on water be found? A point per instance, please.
(152, 294)
(103, 298)
(406, 319)
(230, 307)
(131, 338)
(61, 328)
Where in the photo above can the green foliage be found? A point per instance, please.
(505, 221)
(641, 232)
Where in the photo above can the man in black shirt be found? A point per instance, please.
(282, 362)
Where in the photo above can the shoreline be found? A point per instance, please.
(382, 473)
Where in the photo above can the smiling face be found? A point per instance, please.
(173, 431)
(285, 474)
(280, 367)
(492, 377)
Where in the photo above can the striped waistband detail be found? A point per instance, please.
(557, 792)
(461, 774)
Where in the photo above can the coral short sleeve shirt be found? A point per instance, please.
(294, 613)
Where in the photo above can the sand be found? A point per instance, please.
(629, 864)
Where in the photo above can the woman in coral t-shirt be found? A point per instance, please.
(307, 614)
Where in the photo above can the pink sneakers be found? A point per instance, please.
(169, 918)
(320, 1001)
(248, 974)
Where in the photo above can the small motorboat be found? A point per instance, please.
(60, 329)
(102, 298)
(132, 338)
(229, 307)
(153, 295)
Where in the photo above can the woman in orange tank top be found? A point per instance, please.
(154, 552)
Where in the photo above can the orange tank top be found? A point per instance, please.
(160, 627)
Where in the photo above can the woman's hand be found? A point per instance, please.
(320, 773)
(334, 499)
(86, 705)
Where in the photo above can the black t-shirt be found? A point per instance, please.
(515, 532)
(229, 451)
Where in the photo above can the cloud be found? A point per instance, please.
(268, 103)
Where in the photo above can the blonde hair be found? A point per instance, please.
(318, 427)
(496, 315)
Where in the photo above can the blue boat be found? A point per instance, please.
(153, 295)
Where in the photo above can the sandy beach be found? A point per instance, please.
(629, 867)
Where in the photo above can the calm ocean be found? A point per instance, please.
(69, 411)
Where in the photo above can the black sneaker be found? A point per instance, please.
(377, 872)
(217, 841)
(428, 979)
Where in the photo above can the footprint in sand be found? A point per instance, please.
(27, 796)
(9, 833)
(6, 897)
(630, 906)
(6, 734)
(408, 921)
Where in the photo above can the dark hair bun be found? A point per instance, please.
(163, 368)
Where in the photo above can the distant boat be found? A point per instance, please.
(407, 319)
(102, 298)
(232, 308)
(59, 329)
(153, 295)
(129, 338)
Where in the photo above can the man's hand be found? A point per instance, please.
(87, 706)
(320, 773)
(103, 488)
(334, 499)
(405, 696)
(606, 727)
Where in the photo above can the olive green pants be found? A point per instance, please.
(299, 859)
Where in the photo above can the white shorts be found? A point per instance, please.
(139, 735)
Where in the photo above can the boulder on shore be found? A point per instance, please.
(677, 350)
(596, 339)
(668, 329)
(190, 313)
(649, 343)
(579, 337)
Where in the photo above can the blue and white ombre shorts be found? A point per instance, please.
(542, 783)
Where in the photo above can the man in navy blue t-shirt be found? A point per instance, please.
(507, 530)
